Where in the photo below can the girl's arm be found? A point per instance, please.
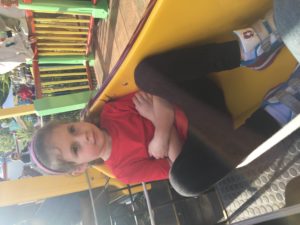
(175, 145)
(163, 123)
(161, 113)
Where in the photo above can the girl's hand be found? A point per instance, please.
(158, 147)
(144, 105)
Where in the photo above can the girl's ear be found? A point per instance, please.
(79, 169)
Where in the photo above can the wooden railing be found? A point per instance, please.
(59, 39)
(57, 80)
(61, 34)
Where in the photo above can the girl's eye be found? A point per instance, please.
(71, 129)
(75, 149)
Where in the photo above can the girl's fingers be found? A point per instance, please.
(149, 96)
(139, 97)
(135, 101)
(143, 96)
(146, 97)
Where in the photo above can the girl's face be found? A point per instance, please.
(80, 142)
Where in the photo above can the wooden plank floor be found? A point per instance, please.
(112, 35)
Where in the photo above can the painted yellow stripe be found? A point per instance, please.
(61, 43)
(17, 111)
(52, 90)
(43, 187)
(60, 26)
(41, 37)
(60, 53)
(62, 20)
(70, 49)
(63, 74)
(61, 12)
(61, 32)
(43, 69)
(63, 82)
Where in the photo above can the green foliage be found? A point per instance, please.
(24, 136)
(6, 142)
(66, 116)
(4, 87)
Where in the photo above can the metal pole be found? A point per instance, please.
(132, 205)
(152, 222)
(91, 197)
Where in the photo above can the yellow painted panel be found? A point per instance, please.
(245, 89)
(56, 68)
(71, 38)
(64, 82)
(17, 111)
(174, 23)
(65, 13)
(53, 90)
(104, 169)
(38, 188)
(61, 32)
(60, 43)
(63, 74)
(62, 20)
(60, 26)
(60, 53)
(70, 49)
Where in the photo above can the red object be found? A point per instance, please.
(131, 134)
(25, 93)
(88, 74)
(89, 38)
(91, 27)
(37, 82)
(30, 21)
(9, 3)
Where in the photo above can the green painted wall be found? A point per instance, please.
(64, 103)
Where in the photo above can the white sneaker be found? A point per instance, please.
(283, 102)
(259, 43)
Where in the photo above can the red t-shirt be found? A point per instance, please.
(131, 134)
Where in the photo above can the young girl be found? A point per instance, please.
(177, 128)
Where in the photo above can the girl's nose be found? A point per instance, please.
(89, 137)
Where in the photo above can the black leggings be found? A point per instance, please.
(213, 147)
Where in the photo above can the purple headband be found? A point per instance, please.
(37, 162)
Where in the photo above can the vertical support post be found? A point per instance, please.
(148, 202)
(90, 33)
(88, 74)
(37, 79)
